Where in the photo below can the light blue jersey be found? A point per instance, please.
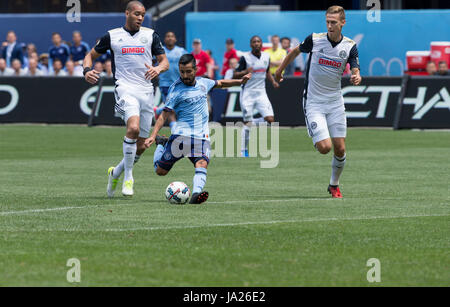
(170, 76)
(191, 107)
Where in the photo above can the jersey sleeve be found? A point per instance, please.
(242, 65)
(104, 44)
(353, 59)
(307, 44)
(210, 84)
(157, 47)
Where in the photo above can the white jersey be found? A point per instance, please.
(260, 67)
(326, 64)
(130, 52)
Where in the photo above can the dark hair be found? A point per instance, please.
(430, 62)
(131, 4)
(188, 58)
(254, 36)
(442, 62)
(283, 38)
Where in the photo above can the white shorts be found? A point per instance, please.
(325, 119)
(132, 101)
(258, 99)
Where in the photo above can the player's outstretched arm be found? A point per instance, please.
(355, 79)
(158, 125)
(287, 60)
(91, 75)
(233, 82)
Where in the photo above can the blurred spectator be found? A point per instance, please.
(11, 49)
(204, 66)
(443, 69)
(59, 50)
(276, 53)
(173, 53)
(286, 45)
(32, 69)
(43, 64)
(17, 67)
(58, 69)
(108, 69)
(233, 64)
(230, 53)
(98, 66)
(79, 49)
(5, 71)
(29, 50)
(72, 70)
(215, 67)
(431, 68)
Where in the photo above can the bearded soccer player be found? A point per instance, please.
(132, 48)
(323, 103)
(190, 137)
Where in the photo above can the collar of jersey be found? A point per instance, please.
(132, 33)
(334, 44)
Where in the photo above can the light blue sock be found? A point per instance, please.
(157, 155)
(171, 125)
(199, 179)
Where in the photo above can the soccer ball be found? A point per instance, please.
(177, 193)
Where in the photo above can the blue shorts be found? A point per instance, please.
(180, 146)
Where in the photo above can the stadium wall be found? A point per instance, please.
(424, 102)
(382, 45)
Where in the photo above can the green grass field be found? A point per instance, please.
(260, 227)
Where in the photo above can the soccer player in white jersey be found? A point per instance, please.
(187, 98)
(132, 48)
(253, 93)
(323, 103)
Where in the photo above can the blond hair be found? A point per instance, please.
(336, 9)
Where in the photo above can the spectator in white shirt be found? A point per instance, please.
(233, 64)
(5, 71)
(32, 69)
(108, 69)
(58, 69)
(72, 71)
(17, 67)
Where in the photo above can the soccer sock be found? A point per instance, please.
(129, 153)
(171, 125)
(245, 135)
(258, 120)
(136, 158)
(199, 179)
(157, 155)
(337, 166)
(118, 170)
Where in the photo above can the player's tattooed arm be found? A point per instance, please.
(233, 82)
(158, 125)
(355, 79)
(91, 75)
(287, 60)
(154, 72)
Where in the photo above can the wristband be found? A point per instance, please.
(86, 70)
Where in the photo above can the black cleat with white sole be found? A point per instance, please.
(198, 198)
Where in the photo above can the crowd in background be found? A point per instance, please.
(66, 59)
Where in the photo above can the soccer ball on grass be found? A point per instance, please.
(177, 193)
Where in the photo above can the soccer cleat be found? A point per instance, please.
(127, 188)
(161, 140)
(244, 154)
(198, 198)
(334, 191)
(112, 183)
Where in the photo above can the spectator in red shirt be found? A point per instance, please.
(229, 54)
(204, 65)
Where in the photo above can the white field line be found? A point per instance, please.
(329, 219)
(130, 204)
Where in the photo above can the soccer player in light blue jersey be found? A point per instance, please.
(190, 137)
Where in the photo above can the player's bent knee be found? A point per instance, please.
(323, 148)
(201, 163)
(269, 119)
(161, 171)
(339, 152)
(133, 131)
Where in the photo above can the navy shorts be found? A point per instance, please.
(180, 146)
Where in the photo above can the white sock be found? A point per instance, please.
(337, 166)
(245, 137)
(129, 153)
(118, 170)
